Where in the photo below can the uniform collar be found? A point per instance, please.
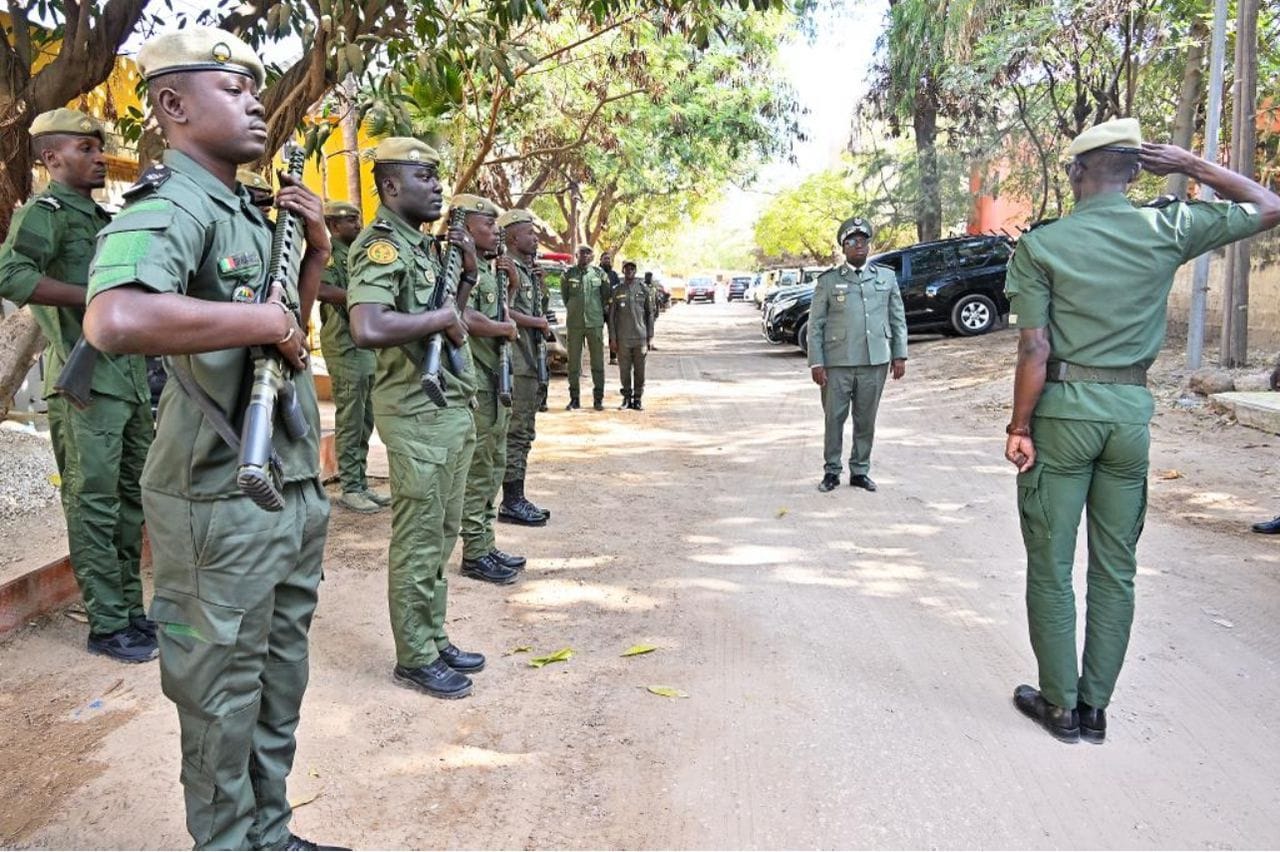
(403, 228)
(73, 199)
(203, 178)
(848, 267)
(1104, 201)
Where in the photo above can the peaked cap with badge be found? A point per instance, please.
(405, 150)
(854, 225)
(474, 204)
(1118, 134)
(514, 216)
(340, 210)
(199, 49)
(70, 122)
(253, 180)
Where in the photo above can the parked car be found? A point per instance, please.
(774, 280)
(738, 288)
(701, 289)
(677, 288)
(955, 286)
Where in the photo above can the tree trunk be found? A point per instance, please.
(1184, 120)
(1244, 137)
(924, 120)
(20, 344)
(351, 152)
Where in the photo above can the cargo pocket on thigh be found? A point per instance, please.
(416, 475)
(1032, 514)
(1141, 520)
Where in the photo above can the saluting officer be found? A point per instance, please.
(350, 367)
(585, 291)
(857, 336)
(1088, 294)
(394, 269)
(99, 450)
(178, 273)
(631, 331)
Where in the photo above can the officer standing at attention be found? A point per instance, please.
(1088, 294)
(178, 273)
(857, 336)
(486, 325)
(100, 450)
(585, 291)
(394, 271)
(528, 309)
(606, 264)
(350, 367)
(631, 330)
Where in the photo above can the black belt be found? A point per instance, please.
(1062, 371)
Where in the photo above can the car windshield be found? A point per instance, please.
(699, 282)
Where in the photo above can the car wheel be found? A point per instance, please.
(973, 314)
(802, 337)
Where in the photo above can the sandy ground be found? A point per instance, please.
(848, 657)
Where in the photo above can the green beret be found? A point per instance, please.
(69, 121)
(474, 204)
(854, 225)
(406, 150)
(514, 216)
(340, 210)
(199, 49)
(253, 180)
(1116, 133)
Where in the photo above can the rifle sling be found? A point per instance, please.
(180, 369)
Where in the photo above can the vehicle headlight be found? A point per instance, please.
(932, 290)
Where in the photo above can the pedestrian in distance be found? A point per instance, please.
(585, 291)
(631, 329)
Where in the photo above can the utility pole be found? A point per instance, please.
(1244, 137)
(1212, 130)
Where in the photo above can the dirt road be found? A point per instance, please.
(848, 657)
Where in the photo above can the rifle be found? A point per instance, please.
(504, 350)
(259, 476)
(75, 380)
(433, 382)
(540, 352)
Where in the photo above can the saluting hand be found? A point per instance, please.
(294, 197)
(1165, 159)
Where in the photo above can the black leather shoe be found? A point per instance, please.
(519, 513)
(626, 403)
(531, 509)
(437, 680)
(129, 645)
(1271, 527)
(1061, 723)
(460, 660)
(486, 570)
(298, 843)
(143, 625)
(636, 404)
(598, 405)
(573, 404)
(861, 480)
(829, 482)
(516, 562)
(1093, 723)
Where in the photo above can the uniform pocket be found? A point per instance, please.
(416, 475)
(1033, 515)
(188, 620)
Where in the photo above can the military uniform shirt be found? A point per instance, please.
(857, 318)
(191, 235)
(396, 265)
(335, 329)
(630, 320)
(53, 235)
(584, 292)
(527, 300)
(1099, 279)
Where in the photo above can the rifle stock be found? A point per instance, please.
(434, 383)
(75, 380)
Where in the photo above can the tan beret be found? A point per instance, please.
(1116, 133)
(199, 49)
(854, 225)
(584, 247)
(474, 204)
(407, 150)
(253, 180)
(514, 216)
(69, 121)
(340, 210)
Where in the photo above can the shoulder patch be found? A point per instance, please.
(1162, 201)
(50, 202)
(149, 180)
(382, 252)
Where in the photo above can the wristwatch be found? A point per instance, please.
(1021, 431)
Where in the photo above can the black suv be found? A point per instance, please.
(954, 285)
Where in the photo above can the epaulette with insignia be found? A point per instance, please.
(50, 202)
(1040, 224)
(149, 180)
(1162, 202)
(382, 225)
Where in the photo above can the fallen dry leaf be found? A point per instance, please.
(55, 480)
(558, 657)
(782, 513)
(637, 650)
(519, 649)
(1171, 473)
(667, 691)
(304, 800)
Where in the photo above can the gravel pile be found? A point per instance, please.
(26, 468)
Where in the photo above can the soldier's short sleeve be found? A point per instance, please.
(153, 243)
(373, 270)
(30, 248)
(334, 273)
(1027, 286)
(1203, 226)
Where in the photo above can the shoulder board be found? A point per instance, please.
(382, 225)
(50, 202)
(1162, 202)
(1041, 224)
(149, 180)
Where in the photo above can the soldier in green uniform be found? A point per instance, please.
(1088, 294)
(178, 273)
(585, 290)
(857, 336)
(350, 367)
(99, 450)
(655, 304)
(606, 266)
(261, 193)
(528, 308)
(487, 325)
(631, 330)
(394, 269)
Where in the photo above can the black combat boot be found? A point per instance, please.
(573, 402)
(487, 570)
(626, 401)
(636, 405)
(597, 399)
(517, 510)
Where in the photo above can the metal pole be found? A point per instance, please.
(1212, 130)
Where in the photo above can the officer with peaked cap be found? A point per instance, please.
(857, 336)
(179, 273)
(585, 291)
(100, 449)
(394, 269)
(1087, 294)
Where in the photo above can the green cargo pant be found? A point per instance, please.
(428, 455)
(526, 397)
(100, 453)
(859, 387)
(595, 343)
(1079, 464)
(235, 590)
(488, 466)
(351, 378)
(631, 363)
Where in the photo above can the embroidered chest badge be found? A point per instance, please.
(382, 252)
(238, 262)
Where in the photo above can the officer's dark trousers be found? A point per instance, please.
(594, 338)
(631, 369)
(858, 388)
(526, 396)
(1100, 468)
(235, 592)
